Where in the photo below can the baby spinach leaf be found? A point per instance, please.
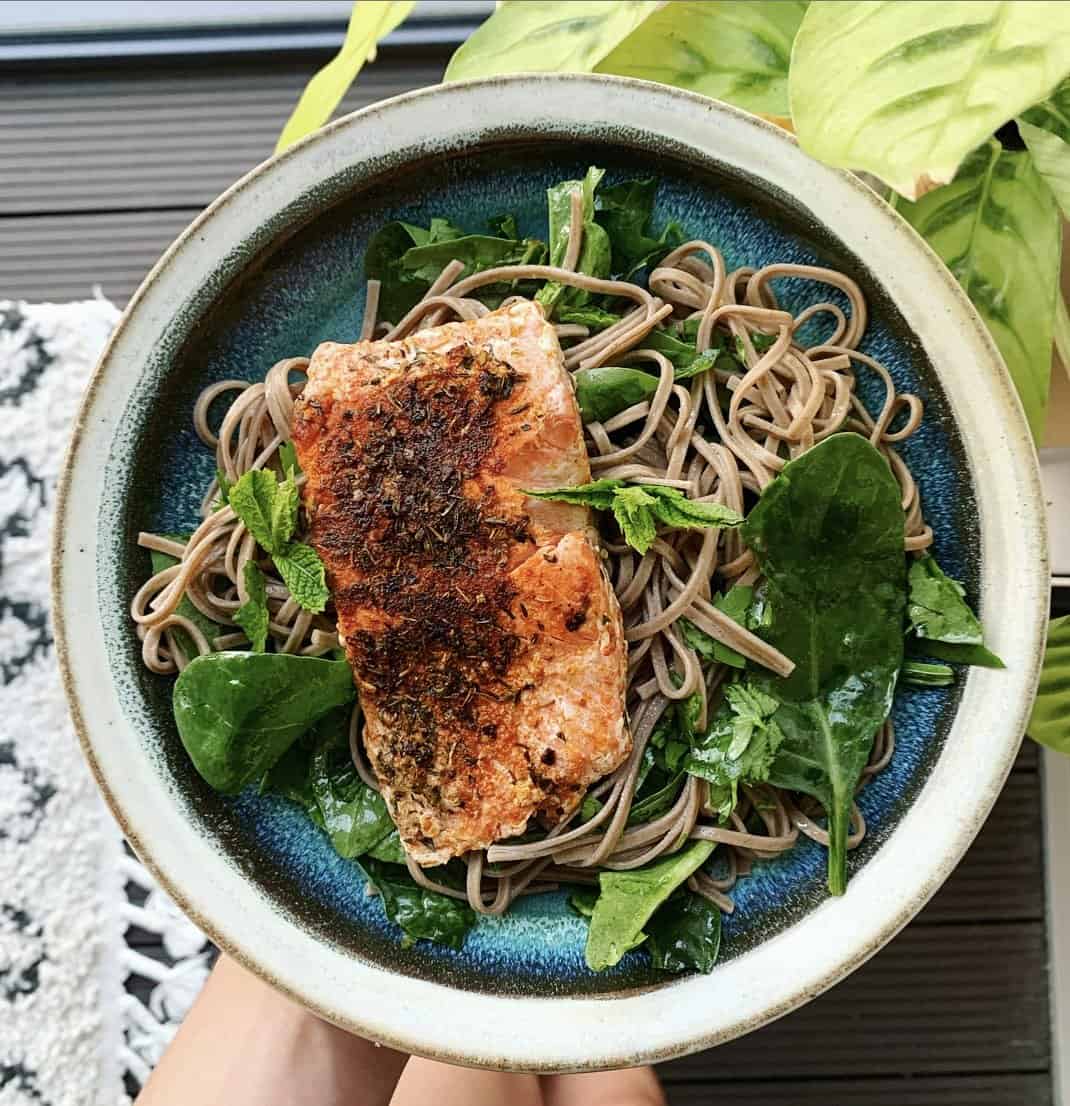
(1050, 721)
(828, 534)
(594, 259)
(657, 802)
(957, 654)
(399, 290)
(639, 508)
(422, 914)
(626, 210)
(252, 615)
(237, 713)
(921, 674)
(503, 226)
(627, 900)
(303, 573)
(739, 745)
(475, 251)
(936, 606)
(564, 36)
(684, 934)
(607, 390)
(593, 317)
(290, 778)
(390, 850)
(914, 98)
(185, 608)
(354, 816)
(582, 900)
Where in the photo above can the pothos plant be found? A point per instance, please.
(959, 113)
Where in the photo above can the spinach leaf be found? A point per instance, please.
(354, 816)
(289, 777)
(503, 226)
(390, 850)
(626, 210)
(1050, 721)
(420, 913)
(828, 534)
(607, 390)
(957, 654)
(657, 802)
(937, 608)
(737, 604)
(185, 608)
(237, 713)
(594, 259)
(475, 251)
(594, 317)
(684, 934)
(627, 900)
(582, 900)
(739, 745)
(640, 508)
(399, 290)
(252, 616)
(921, 674)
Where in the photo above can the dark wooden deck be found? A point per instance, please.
(101, 167)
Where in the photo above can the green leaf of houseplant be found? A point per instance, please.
(1045, 129)
(371, 20)
(919, 84)
(562, 36)
(996, 227)
(732, 50)
(1050, 721)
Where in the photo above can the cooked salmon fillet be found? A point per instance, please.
(484, 636)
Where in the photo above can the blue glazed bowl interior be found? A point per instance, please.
(307, 286)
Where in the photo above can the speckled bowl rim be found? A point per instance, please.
(578, 1033)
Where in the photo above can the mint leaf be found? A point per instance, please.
(302, 571)
(284, 513)
(674, 509)
(632, 508)
(598, 494)
(253, 499)
(252, 615)
(288, 459)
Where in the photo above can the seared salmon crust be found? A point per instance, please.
(484, 636)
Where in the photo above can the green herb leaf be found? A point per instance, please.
(582, 900)
(268, 508)
(628, 900)
(733, 50)
(475, 251)
(237, 713)
(922, 674)
(738, 747)
(996, 227)
(303, 573)
(354, 816)
(658, 802)
(918, 89)
(224, 490)
(421, 914)
(400, 290)
(607, 390)
(564, 36)
(370, 21)
(828, 534)
(936, 607)
(737, 604)
(503, 226)
(1050, 721)
(288, 459)
(638, 508)
(185, 608)
(684, 935)
(252, 615)
(957, 654)
(289, 777)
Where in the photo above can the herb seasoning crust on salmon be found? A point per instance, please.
(484, 636)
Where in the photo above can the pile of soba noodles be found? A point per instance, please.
(720, 436)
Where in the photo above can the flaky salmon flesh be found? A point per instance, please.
(485, 640)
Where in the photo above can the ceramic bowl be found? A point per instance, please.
(272, 268)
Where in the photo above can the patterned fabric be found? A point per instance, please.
(79, 917)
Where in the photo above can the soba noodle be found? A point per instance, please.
(716, 436)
